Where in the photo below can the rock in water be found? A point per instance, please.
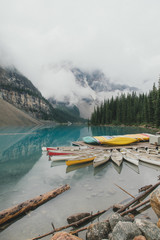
(114, 219)
(148, 229)
(98, 231)
(77, 217)
(125, 231)
(155, 201)
(140, 237)
(158, 223)
(64, 236)
(117, 206)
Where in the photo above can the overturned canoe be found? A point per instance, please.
(113, 141)
(117, 140)
(90, 140)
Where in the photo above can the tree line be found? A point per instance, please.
(130, 109)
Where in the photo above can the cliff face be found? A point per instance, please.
(34, 105)
(19, 91)
(12, 116)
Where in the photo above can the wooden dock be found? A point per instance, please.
(133, 145)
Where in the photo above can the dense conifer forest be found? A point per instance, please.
(130, 109)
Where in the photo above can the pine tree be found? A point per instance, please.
(157, 111)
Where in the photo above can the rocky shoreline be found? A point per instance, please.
(118, 227)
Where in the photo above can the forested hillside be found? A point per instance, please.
(130, 109)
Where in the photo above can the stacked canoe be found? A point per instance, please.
(116, 140)
(76, 155)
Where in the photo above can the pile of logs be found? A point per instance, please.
(80, 219)
(130, 207)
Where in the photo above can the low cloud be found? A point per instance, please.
(119, 37)
(59, 82)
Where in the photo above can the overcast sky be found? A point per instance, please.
(119, 37)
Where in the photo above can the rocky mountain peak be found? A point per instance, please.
(90, 88)
(97, 81)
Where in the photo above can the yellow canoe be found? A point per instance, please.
(139, 136)
(77, 166)
(80, 160)
(117, 140)
(120, 140)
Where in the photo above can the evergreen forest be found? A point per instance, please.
(130, 109)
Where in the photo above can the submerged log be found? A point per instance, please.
(22, 208)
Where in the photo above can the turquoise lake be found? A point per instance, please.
(26, 172)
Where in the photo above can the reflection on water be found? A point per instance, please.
(110, 131)
(25, 172)
(21, 148)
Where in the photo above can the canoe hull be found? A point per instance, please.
(79, 161)
(101, 159)
(131, 159)
(117, 140)
(117, 157)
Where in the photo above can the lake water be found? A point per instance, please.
(25, 173)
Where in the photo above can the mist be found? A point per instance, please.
(121, 38)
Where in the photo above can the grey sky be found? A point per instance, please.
(120, 37)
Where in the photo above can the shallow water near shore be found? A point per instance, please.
(26, 172)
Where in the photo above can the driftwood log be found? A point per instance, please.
(142, 189)
(140, 197)
(122, 212)
(75, 224)
(134, 208)
(22, 208)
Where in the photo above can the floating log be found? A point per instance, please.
(134, 208)
(125, 191)
(89, 218)
(144, 188)
(78, 230)
(140, 197)
(22, 208)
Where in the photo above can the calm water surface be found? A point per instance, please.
(25, 173)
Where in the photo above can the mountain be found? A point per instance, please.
(78, 97)
(97, 81)
(19, 91)
(90, 89)
(12, 116)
